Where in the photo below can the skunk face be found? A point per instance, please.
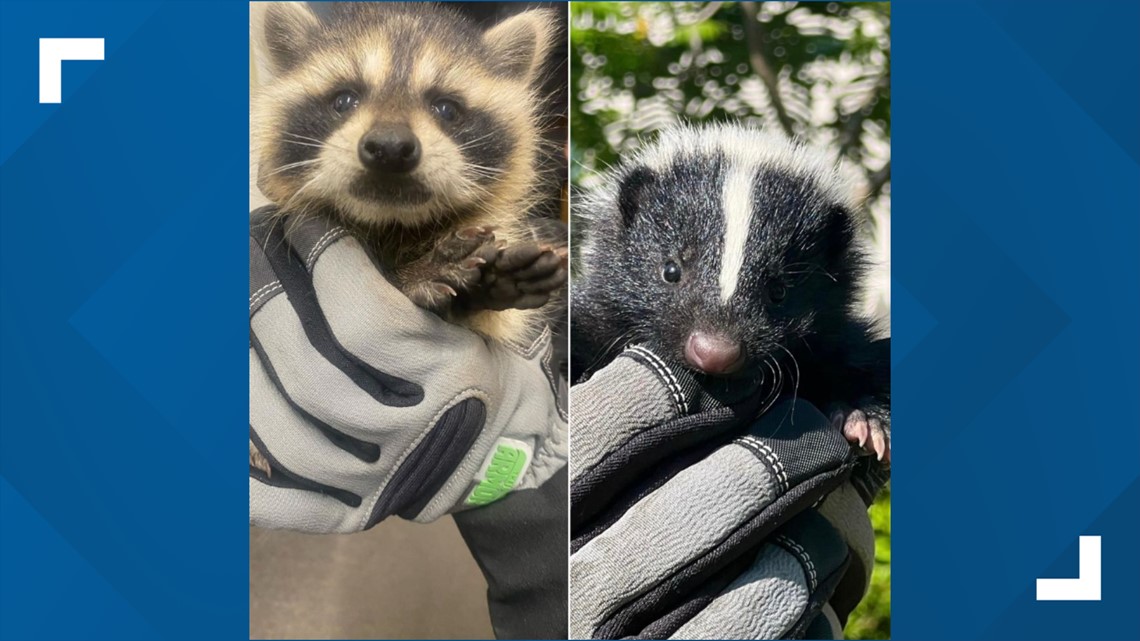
(398, 114)
(731, 246)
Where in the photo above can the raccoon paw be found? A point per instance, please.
(865, 428)
(453, 267)
(524, 276)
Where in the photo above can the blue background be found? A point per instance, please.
(1016, 320)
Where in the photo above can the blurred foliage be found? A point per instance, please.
(818, 71)
(872, 619)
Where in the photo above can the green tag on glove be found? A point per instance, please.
(501, 471)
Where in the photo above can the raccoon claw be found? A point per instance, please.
(468, 242)
(472, 233)
(454, 267)
(522, 276)
(868, 432)
(515, 257)
(444, 289)
(544, 266)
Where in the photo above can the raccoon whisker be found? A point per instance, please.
(293, 165)
(296, 135)
(470, 143)
(478, 176)
(312, 181)
(302, 144)
(309, 144)
(306, 141)
(487, 170)
(477, 188)
(306, 138)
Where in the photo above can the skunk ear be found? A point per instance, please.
(288, 28)
(519, 44)
(631, 191)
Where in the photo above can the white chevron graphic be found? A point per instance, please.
(1086, 587)
(53, 51)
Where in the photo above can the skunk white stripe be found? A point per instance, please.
(736, 201)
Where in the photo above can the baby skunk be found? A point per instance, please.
(734, 251)
(420, 132)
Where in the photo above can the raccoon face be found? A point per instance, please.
(733, 259)
(394, 114)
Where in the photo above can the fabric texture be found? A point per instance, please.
(724, 534)
(520, 544)
(366, 405)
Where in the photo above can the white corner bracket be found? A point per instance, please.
(1086, 587)
(53, 51)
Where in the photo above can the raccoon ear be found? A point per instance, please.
(630, 193)
(519, 44)
(288, 28)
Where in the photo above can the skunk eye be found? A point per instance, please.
(345, 101)
(777, 291)
(445, 109)
(671, 272)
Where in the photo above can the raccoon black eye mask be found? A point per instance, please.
(733, 251)
(418, 131)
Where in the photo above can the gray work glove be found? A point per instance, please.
(365, 405)
(719, 540)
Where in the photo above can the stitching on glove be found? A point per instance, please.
(323, 242)
(547, 365)
(470, 392)
(262, 293)
(773, 460)
(804, 558)
(549, 454)
(666, 376)
(532, 350)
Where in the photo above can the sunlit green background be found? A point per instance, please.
(818, 71)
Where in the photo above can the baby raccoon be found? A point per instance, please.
(419, 131)
(734, 251)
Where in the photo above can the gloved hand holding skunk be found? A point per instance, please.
(364, 405)
(691, 520)
(715, 316)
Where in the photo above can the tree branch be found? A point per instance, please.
(708, 11)
(756, 40)
(852, 129)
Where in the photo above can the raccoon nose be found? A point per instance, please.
(390, 149)
(713, 354)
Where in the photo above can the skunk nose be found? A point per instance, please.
(390, 149)
(713, 354)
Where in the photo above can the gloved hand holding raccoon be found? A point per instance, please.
(363, 406)
(370, 393)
